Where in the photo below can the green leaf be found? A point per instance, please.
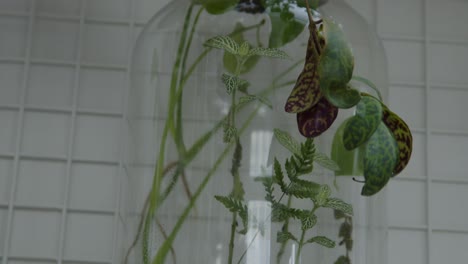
(231, 82)
(336, 67)
(308, 222)
(217, 7)
(351, 162)
(232, 204)
(323, 195)
(243, 85)
(279, 177)
(268, 52)
(287, 141)
(323, 241)
(244, 49)
(230, 60)
(301, 190)
(339, 205)
(361, 127)
(326, 162)
(223, 42)
(284, 29)
(380, 159)
(342, 96)
(343, 260)
(284, 236)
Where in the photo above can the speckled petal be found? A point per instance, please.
(317, 119)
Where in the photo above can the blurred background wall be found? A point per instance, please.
(64, 66)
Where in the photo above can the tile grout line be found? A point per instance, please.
(122, 151)
(20, 129)
(71, 137)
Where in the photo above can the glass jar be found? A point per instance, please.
(202, 143)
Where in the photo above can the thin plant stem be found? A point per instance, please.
(169, 124)
(163, 250)
(145, 207)
(284, 229)
(179, 128)
(299, 248)
(232, 237)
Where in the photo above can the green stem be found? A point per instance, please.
(179, 128)
(299, 247)
(164, 249)
(231, 239)
(284, 229)
(168, 126)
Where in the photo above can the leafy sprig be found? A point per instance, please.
(294, 183)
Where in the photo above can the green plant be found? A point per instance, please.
(380, 139)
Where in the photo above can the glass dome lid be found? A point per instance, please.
(258, 133)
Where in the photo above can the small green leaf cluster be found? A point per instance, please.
(235, 205)
(242, 52)
(293, 183)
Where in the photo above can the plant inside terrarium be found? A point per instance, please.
(376, 136)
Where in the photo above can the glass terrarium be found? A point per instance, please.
(218, 171)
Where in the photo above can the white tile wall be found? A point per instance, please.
(63, 68)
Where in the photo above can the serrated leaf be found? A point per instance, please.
(283, 236)
(351, 162)
(340, 205)
(360, 127)
(287, 141)
(232, 204)
(326, 162)
(323, 241)
(268, 52)
(231, 82)
(380, 159)
(308, 222)
(279, 177)
(223, 42)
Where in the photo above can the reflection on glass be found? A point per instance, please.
(259, 149)
(258, 237)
